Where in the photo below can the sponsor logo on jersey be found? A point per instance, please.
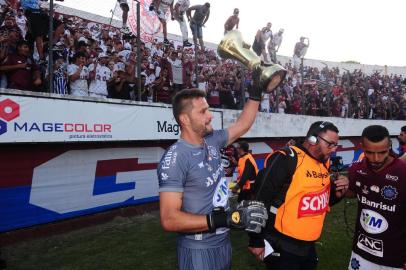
(377, 205)
(392, 177)
(361, 172)
(166, 161)
(371, 245)
(358, 183)
(313, 204)
(374, 188)
(220, 197)
(213, 179)
(389, 192)
(373, 222)
(314, 174)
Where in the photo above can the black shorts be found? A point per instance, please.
(38, 23)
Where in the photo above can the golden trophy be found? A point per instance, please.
(232, 46)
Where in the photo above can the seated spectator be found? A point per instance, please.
(22, 72)
(78, 75)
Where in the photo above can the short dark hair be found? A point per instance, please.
(79, 54)
(22, 43)
(319, 127)
(403, 129)
(244, 146)
(375, 133)
(182, 100)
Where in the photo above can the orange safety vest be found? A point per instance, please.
(302, 214)
(241, 168)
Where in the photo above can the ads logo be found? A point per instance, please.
(373, 222)
(9, 110)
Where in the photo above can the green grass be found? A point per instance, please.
(139, 243)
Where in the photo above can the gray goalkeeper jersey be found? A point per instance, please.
(196, 171)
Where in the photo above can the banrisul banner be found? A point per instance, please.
(37, 119)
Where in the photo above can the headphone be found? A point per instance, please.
(314, 138)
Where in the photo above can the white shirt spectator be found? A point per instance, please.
(183, 5)
(22, 24)
(98, 86)
(79, 87)
(177, 70)
(125, 54)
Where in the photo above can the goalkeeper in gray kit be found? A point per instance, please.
(193, 189)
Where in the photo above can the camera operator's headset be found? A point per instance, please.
(313, 139)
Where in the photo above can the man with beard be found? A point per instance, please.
(193, 189)
(297, 190)
(402, 142)
(379, 182)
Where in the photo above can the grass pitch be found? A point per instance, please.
(140, 243)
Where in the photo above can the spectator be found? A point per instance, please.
(300, 51)
(274, 44)
(99, 75)
(78, 74)
(118, 86)
(232, 21)
(200, 16)
(177, 71)
(162, 7)
(181, 7)
(260, 40)
(22, 72)
(39, 26)
(60, 77)
(162, 88)
(125, 8)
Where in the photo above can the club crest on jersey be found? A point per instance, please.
(365, 190)
(213, 154)
(220, 197)
(389, 192)
(313, 204)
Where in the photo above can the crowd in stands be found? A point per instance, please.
(91, 59)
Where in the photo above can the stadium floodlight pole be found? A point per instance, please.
(138, 49)
(50, 45)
